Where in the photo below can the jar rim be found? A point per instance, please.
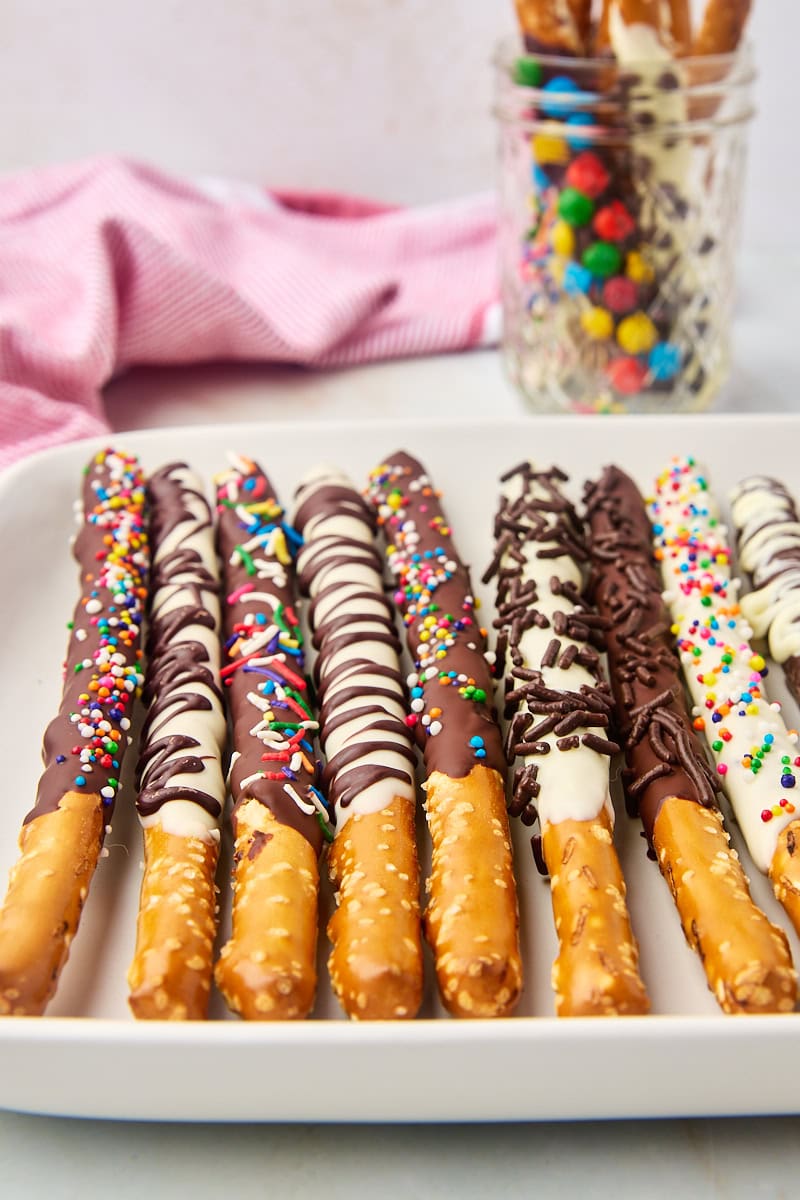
(510, 49)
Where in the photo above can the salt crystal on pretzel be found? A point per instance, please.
(669, 781)
(472, 917)
(558, 709)
(281, 825)
(85, 744)
(181, 784)
(376, 961)
(754, 751)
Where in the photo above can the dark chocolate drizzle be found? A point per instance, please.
(350, 617)
(180, 678)
(663, 756)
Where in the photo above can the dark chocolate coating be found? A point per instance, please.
(249, 515)
(85, 743)
(431, 582)
(663, 755)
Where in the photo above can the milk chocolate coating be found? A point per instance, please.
(431, 582)
(266, 688)
(176, 665)
(662, 753)
(85, 743)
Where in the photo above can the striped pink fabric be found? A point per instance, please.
(107, 263)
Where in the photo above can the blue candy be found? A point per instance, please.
(578, 120)
(576, 279)
(664, 361)
(559, 85)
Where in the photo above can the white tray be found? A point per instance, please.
(88, 1057)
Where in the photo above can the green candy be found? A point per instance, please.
(574, 207)
(527, 72)
(603, 259)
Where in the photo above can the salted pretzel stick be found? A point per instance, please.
(376, 961)
(767, 526)
(668, 779)
(558, 707)
(472, 919)
(181, 784)
(722, 27)
(84, 745)
(267, 970)
(755, 753)
(555, 26)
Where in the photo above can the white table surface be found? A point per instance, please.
(731, 1158)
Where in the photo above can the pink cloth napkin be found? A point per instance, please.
(108, 263)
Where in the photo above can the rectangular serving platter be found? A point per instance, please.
(88, 1057)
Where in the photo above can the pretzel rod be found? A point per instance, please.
(722, 27)
(85, 744)
(181, 785)
(280, 821)
(755, 753)
(472, 918)
(376, 961)
(767, 527)
(558, 708)
(555, 26)
(632, 27)
(668, 780)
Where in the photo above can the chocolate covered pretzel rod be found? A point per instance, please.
(668, 779)
(267, 970)
(181, 784)
(472, 918)
(555, 26)
(558, 708)
(767, 525)
(754, 751)
(376, 962)
(85, 744)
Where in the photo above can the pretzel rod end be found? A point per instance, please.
(745, 957)
(170, 975)
(47, 889)
(472, 921)
(784, 872)
(596, 972)
(376, 962)
(267, 970)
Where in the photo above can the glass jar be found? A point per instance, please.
(620, 190)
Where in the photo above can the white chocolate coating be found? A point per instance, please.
(573, 783)
(768, 536)
(339, 567)
(185, 565)
(755, 753)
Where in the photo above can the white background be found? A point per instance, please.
(387, 98)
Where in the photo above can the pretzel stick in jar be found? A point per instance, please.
(376, 961)
(472, 916)
(558, 708)
(722, 27)
(555, 26)
(85, 744)
(669, 782)
(181, 784)
(267, 969)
